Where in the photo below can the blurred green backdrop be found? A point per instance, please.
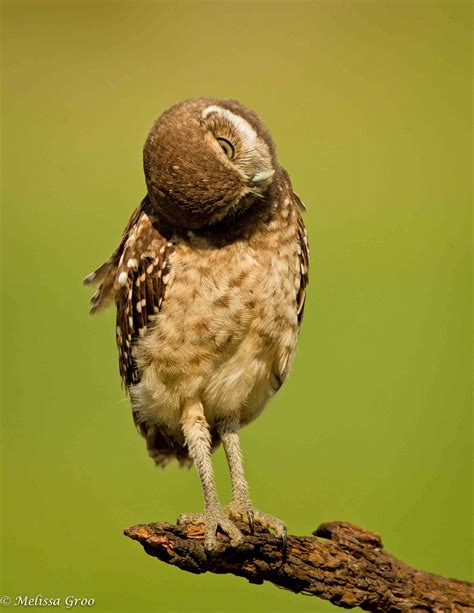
(369, 104)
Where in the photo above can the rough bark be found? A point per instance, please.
(350, 568)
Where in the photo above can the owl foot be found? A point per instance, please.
(213, 519)
(245, 512)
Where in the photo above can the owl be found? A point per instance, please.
(209, 283)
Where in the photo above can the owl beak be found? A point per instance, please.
(263, 176)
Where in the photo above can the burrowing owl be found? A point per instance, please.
(209, 282)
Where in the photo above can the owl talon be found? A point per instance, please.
(213, 520)
(246, 511)
(250, 517)
(190, 518)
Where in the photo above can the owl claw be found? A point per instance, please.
(250, 517)
(245, 511)
(213, 519)
(190, 518)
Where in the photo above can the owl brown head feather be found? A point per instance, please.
(206, 157)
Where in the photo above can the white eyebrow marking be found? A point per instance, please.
(241, 124)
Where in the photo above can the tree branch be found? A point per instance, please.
(350, 569)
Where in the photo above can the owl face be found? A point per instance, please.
(205, 159)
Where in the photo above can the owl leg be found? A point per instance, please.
(241, 505)
(198, 441)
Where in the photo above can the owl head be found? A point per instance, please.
(206, 158)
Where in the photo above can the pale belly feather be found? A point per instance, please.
(226, 334)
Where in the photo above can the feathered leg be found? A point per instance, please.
(241, 505)
(198, 441)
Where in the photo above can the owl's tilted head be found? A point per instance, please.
(204, 158)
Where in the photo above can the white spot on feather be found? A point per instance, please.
(122, 278)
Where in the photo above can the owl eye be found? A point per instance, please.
(227, 147)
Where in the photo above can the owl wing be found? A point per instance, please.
(303, 253)
(135, 276)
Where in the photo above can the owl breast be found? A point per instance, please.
(226, 333)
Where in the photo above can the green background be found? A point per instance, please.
(369, 104)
